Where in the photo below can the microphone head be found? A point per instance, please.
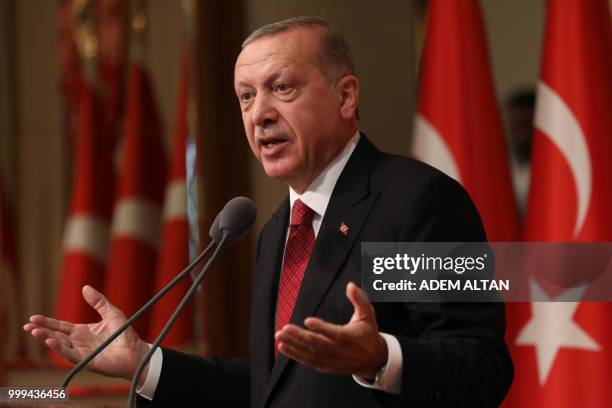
(215, 232)
(236, 219)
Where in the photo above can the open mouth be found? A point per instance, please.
(272, 142)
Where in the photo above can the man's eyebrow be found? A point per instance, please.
(274, 75)
(270, 78)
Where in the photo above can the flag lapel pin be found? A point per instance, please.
(344, 229)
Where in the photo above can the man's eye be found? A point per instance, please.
(282, 88)
(245, 96)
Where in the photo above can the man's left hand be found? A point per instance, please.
(354, 348)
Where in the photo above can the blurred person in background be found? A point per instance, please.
(520, 112)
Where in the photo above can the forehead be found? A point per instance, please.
(296, 48)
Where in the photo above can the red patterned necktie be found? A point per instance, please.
(297, 254)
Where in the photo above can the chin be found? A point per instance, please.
(277, 171)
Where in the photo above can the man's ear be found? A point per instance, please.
(348, 89)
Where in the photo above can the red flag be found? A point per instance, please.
(109, 67)
(86, 233)
(563, 351)
(111, 43)
(458, 127)
(136, 218)
(174, 249)
(70, 70)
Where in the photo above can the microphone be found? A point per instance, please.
(216, 237)
(235, 221)
(238, 215)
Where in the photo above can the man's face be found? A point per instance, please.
(290, 111)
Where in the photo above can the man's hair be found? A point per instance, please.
(335, 56)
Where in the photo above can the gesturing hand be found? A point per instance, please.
(354, 348)
(76, 341)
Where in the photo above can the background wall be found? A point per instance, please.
(42, 179)
(515, 30)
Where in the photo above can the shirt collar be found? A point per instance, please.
(318, 193)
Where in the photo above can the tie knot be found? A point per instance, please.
(301, 214)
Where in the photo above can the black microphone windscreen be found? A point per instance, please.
(215, 232)
(237, 218)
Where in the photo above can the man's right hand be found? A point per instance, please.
(76, 341)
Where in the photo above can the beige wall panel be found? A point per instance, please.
(515, 32)
(42, 156)
(7, 95)
(165, 39)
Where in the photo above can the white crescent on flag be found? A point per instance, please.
(430, 147)
(556, 120)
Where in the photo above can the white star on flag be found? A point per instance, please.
(552, 326)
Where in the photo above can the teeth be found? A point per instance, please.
(272, 142)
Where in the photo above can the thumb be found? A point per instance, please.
(97, 300)
(363, 309)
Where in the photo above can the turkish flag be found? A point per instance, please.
(70, 77)
(458, 128)
(174, 250)
(86, 234)
(563, 350)
(137, 214)
(111, 36)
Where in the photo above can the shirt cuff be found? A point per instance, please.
(390, 376)
(150, 385)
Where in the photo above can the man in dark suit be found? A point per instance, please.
(315, 340)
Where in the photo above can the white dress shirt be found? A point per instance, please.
(316, 196)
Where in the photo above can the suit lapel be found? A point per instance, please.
(267, 275)
(350, 204)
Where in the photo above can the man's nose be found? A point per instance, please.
(264, 112)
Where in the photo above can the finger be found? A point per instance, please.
(307, 339)
(302, 358)
(330, 330)
(43, 334)
(97, 300)
(28, 327)
(295, 342)
(39, 333)
(294, 353)
(318, 348)
(286, 336)
(298, 347)
(53, 324)
(360, 302)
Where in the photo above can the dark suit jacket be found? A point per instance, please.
(453, 353)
